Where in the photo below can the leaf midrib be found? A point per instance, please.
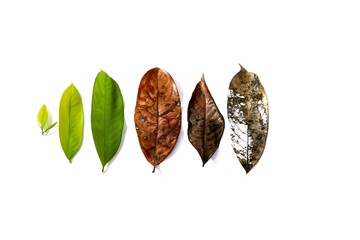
(69, 118)
(104, 124)
(205, 127)
(157, 118)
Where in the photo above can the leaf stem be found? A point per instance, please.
(153, 169)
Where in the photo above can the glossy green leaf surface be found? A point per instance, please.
(71, 122)
(107, 117)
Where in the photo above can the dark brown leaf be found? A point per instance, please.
(248, 116)
(205, 122)
(157, 115)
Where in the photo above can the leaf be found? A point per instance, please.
(43, 117)
(157, 115)
(71, 122)
(107, 117)
(50, 127)
(248, 115)
(205, 122)
(44, 120)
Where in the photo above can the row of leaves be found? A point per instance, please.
(107, 119)
(157, 118)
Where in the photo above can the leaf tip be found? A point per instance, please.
(72, 88)
(242, 69)
(248, 168)
(104, 73)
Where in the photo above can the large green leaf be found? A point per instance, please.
(107, 117)
(71, 121)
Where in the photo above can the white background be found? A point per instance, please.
(306, 186)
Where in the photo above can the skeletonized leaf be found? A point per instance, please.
(71, 122)
(205, 122)
(107, 117)
(157, 115)
(248, 116)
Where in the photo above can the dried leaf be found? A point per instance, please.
(157, 115)
(205, 122)
(248, 115)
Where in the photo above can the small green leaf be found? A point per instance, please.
(71, 121)
(50, 127)
(107, 117)
(43, 117)
(44, 120)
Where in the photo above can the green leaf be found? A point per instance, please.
(44, 120)
(107, 117)
(50, 127)
(71, 121)
(43, 117)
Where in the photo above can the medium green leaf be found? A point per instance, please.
(107, 117)
(43, 117)
(71, 121)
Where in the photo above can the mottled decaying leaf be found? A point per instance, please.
(107, 117)
(157, 115)
(248, 116)
(205, 122)
(44, 120)
(71, 121)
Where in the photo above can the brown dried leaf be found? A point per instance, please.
(205, 122)
(248, 115)
(157, 115)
